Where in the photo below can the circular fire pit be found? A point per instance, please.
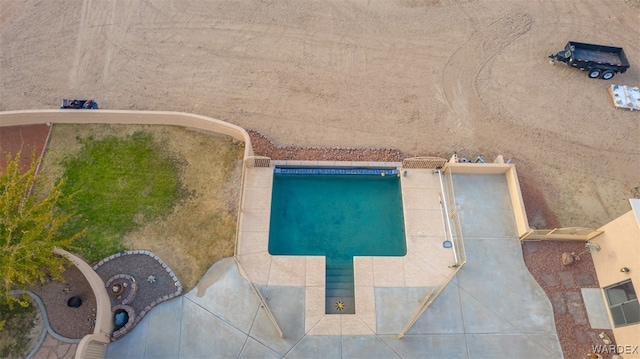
(117, 289)
(122, 287)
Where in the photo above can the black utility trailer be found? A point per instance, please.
(599, 60)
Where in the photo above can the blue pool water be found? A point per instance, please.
(337, 216)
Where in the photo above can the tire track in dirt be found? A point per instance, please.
(100, 26)
(77, 53)
(463, 67)
(579, 189)
(118, 24)
(576, 154)
(110, 45)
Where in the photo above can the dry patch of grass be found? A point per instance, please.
(201, 228)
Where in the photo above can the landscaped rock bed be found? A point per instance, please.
(136, 281)
(562, 285)
(73, 323)
(262, 146)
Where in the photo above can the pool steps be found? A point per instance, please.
(339, 287)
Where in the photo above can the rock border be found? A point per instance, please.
(133, 318)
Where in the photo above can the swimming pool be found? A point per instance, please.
(339, 215)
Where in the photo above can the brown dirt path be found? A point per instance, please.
(24, 139)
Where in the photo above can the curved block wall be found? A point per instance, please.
(32, 117)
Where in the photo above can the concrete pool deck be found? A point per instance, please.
(492, 309)
(427, 263)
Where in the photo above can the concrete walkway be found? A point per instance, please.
(493, 309)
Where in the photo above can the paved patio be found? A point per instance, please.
(492, 309)
(426, 265)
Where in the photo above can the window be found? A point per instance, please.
(623, 304)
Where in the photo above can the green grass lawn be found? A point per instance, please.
(117, 184)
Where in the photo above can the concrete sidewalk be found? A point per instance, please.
(493, 309)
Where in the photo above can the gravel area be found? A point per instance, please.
(263, 146)
(562, 285)
(149, 281)
(72, 323)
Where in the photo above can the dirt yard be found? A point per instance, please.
(420, 76)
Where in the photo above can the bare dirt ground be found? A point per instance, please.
(421, 76)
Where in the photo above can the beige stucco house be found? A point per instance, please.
(618, 269)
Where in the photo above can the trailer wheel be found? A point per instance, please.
(608, 75)
(594, 73)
